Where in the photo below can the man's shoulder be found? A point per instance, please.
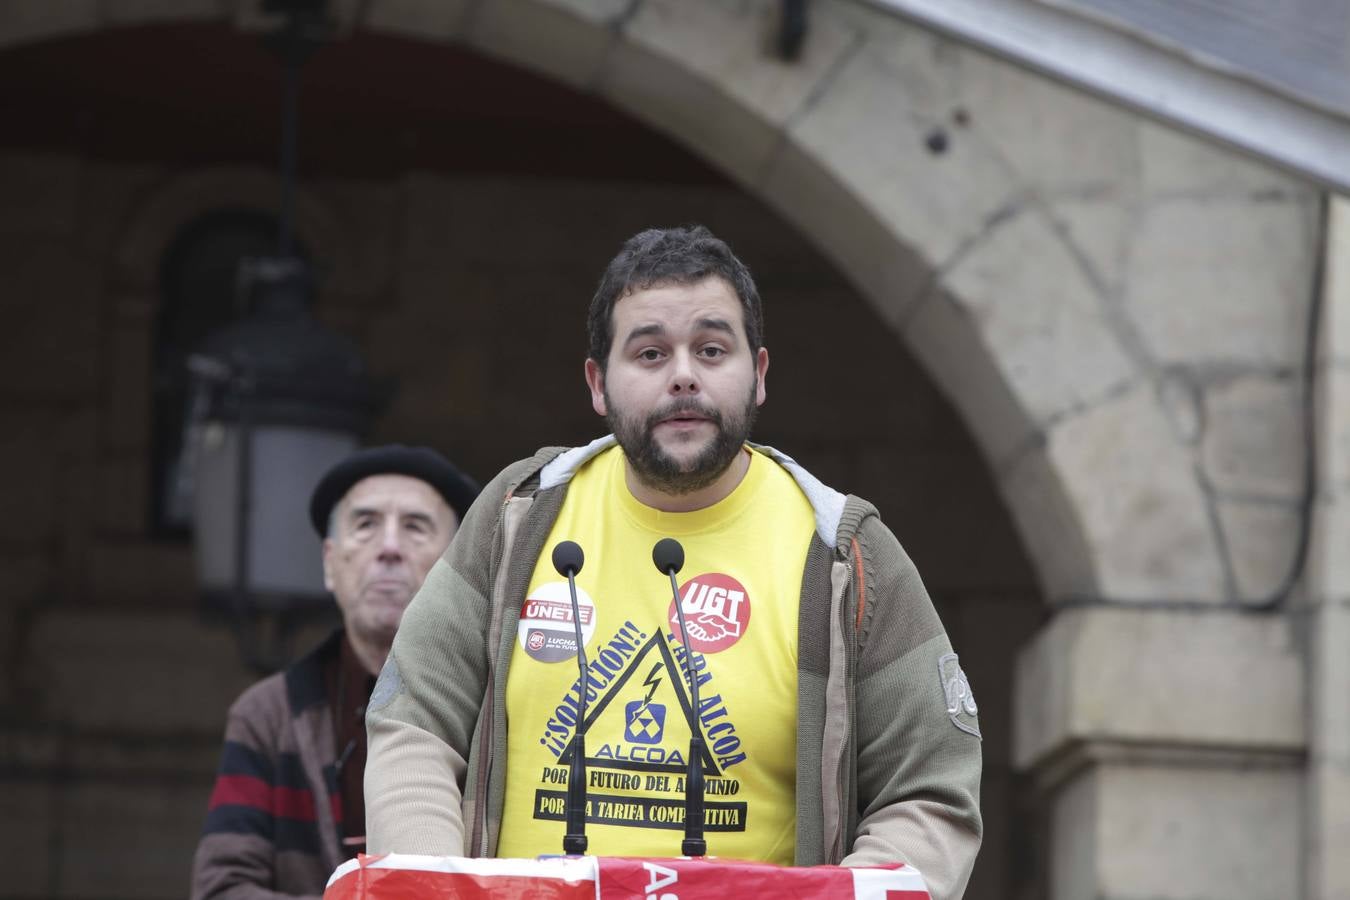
(548, 468)
(259, 717)
(297, 686)
(839, 516)
(262, 696)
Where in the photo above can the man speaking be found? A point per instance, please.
(782, 651)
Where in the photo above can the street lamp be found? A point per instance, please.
(276, 399)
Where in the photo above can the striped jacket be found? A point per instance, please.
(273, 822)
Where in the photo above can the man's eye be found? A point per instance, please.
(712, 351)
(650, 355)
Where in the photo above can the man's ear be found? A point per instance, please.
(595, 380)
(327, 574)
(761, 369)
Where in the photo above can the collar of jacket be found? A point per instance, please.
(827, 503)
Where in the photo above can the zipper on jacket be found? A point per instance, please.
(854, 588)
(477, 843)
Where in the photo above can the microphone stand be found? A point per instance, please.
(567, 559)
(694, 843)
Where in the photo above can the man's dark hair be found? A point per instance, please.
(665, 256)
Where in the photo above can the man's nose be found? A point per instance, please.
(391, 541)
(683, 375)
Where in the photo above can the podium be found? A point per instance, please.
(398, 876)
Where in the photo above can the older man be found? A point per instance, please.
(288, 805)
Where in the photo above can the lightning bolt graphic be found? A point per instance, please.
(652, 681)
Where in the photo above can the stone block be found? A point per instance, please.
(462, 226)
(1038, 498)
(30, 476)
(933, 497)
(1057, 140)
(696, 114)
(1047, 324)
(870, 422)
(869, 129)
(366, 214)
(1329, 869)
(108, 195)
(22, 23)
(36, 750)
(1096, 230)
(1175, 162)
(928, 63)
(39, 192)
(1219, 680)
(1333, 411)
(1178, 832)
(1200, 834)
(567, 41)
(1147, 526)
(26, 826)
(128, 390)
(30, 580)
(1253, 444)
(123, 496)
(993, 877)
(424, 19)
(1223, 281)
(442, 378)
(129, 840)
(155, 219)
(122, 671)
(1262, 540)
(1074, 842)
(1328, 629)
(50, 352)
(1335, 345)
(732, 43)
(141, 574)
(145, 12)
(989, 630)
(952, 348)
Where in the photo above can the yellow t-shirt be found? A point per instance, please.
(740, 589)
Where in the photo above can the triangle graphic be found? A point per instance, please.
(663, 667)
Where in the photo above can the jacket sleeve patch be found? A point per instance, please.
(961, 708)
(389, 686)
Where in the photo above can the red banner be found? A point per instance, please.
(404, 877)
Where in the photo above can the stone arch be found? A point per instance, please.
(931, 174)
(155, 223)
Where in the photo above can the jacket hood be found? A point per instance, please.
(826, 502)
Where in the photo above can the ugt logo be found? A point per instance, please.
(716, 610)
(644, 723)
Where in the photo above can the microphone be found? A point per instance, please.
(668, 556)
(567, 559)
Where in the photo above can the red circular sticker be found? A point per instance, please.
(716, 611)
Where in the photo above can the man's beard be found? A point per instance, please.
(657, 469)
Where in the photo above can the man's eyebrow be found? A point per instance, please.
(356, 512)
(716, 325)
(644, 331)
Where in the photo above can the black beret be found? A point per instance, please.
(458, 489)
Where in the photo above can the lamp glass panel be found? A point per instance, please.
(284, 554)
